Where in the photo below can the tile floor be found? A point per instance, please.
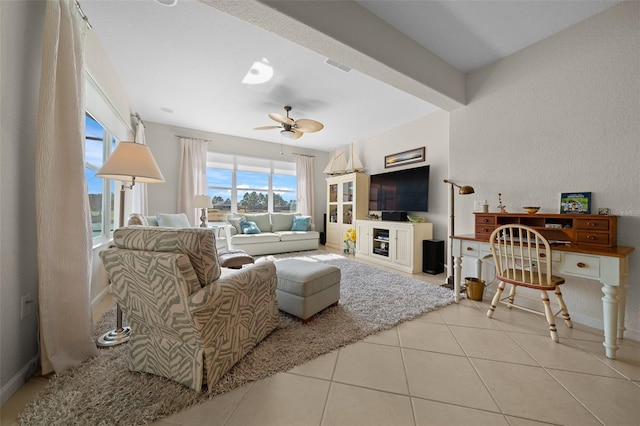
(453, 366)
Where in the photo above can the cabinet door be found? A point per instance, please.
(401, 247)
(362, 238)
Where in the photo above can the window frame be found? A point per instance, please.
(238, 163)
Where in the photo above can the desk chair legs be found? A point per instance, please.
(548, 313)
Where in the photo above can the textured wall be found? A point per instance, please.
(560, 116)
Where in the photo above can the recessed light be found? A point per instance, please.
(166, 109)
(167, 2)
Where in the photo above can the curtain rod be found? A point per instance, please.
(190, 137)
(82, 14)
(303, 155)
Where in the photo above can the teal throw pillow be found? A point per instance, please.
(249, 227)
(301, 223)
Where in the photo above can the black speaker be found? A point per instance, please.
(323, 236)
(433, 256)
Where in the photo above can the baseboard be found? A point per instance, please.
(100, 296)
(18, 379)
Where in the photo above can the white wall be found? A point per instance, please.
(431, 132)
(560, 116)
(20, 59)
(165, 145)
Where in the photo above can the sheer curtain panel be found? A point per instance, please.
(304, 171)
(193, 176)
(62, 205)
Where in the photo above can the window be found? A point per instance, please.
(99, 143)
(249, 185)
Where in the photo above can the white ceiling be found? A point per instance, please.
(191, 58)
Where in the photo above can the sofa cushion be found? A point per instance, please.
(173, 220)
(235, 220)
(297, 235)
(249, 227)
(262, 220)
(301, 223)
(282, 221)
(197, 243)
(263, 237)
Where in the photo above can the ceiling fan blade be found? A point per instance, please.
(308, 126)
(266, 127)
(280, 118)
(297, 134)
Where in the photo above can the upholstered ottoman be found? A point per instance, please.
(306, 288)
(234, 259)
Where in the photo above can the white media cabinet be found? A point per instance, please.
(395, 245)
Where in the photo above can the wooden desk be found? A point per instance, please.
(610, 266)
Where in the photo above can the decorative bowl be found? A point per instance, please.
(531, 210)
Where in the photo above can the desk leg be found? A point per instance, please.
(457, 273)
(622, 305)
(610, 316)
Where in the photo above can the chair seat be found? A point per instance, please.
(521, 278)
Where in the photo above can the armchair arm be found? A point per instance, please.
(234, 314)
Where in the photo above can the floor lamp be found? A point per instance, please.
(129, 163)
(462, 190)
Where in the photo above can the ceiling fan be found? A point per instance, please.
(292, 129)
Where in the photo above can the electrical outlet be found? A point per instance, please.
(26, 306)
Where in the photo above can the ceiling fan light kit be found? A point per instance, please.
(292, 129)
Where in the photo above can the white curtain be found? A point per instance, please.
(304, 172)
(193, 176)
(62, 206)
(139, 203)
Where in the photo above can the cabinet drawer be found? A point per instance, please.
(485, 220)
(586, 237)
(594, 224)
(484, 231)
(580, 264)
(470, 249)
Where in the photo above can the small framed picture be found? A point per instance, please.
(406, 157)
(575, 203)
(605, 211)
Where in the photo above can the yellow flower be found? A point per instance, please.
(350, 234)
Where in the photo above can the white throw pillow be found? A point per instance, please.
(173, 220)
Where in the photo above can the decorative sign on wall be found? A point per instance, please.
(406, 157)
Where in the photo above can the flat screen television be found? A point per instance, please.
(403, 190)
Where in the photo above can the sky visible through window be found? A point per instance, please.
(93, 154)
(249, 181)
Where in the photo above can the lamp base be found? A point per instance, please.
(203, 219)
(114, 337)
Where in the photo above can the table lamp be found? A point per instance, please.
(202, 202)
(130, 162)
(462, 190)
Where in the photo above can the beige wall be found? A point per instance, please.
(560, 116)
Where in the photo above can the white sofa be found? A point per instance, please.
(275, 234)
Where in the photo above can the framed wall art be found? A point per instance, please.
(406, 157)
(575, 203)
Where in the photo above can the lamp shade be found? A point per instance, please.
(202, 202)
(131, 160)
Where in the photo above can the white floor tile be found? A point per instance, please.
(446, 378)
(353, 406)
(430, 413)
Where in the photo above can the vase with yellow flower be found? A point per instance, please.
(350, 241)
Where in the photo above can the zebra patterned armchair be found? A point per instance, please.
(189, 322)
